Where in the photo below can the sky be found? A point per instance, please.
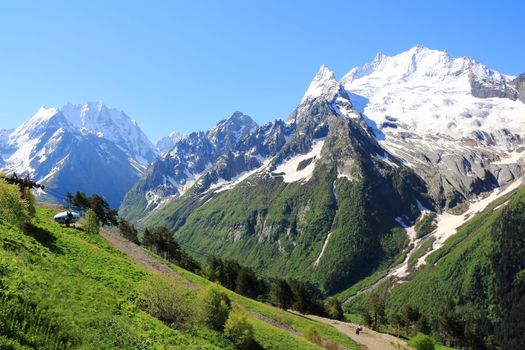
(185, 65)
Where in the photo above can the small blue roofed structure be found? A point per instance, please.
(67, 217)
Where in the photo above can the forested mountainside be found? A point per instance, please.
(469, 293)
(330, 195)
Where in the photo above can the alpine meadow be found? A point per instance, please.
(385, 211)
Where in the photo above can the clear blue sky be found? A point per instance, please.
(184, 65)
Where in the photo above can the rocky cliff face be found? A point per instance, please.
(519, 84)
(166, 144)
(172, 174)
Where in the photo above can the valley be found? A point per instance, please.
(391, 197)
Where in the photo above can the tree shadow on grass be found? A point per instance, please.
(45, 238)
(255, 346)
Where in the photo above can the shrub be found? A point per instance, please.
(13, 209)
(425, 225)
(422, 342)
(331, 345)
(216, 306)
(313, 335)
(334, 308)
(92, 225)
(239, 330)
(167, 301)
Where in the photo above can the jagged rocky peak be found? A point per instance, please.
(324, 85)
(519, 84)
(228, 132)
(166, 143)
(325, 97)
(112, 124)
(421, 65)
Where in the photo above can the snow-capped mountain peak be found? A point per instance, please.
(114, 125)
(429, 91)
(323, 85)
(229, 131)
(44, 113)
(423, 66)
(41, 120)
(419, 61)
(168, 142)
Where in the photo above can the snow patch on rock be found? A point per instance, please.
(289, 169)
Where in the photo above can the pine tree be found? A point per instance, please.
(80, 202)
(281, 294)
(147, 239)
(128, 231)
(508, 235)
(105, 214)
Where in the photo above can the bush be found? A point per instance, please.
(239, 330)
(334, 308)
(92, 225)
(313, 335)
(10, 344)
(168, 302)
(422, 342)
(13, 209)
(216, 306)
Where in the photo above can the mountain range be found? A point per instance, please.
(333, 193)
(330, 195)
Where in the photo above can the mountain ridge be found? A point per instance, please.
(298, 207)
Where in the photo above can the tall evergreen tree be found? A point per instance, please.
(81, 202)
(281, 294)
(128, 231)
(509, 265)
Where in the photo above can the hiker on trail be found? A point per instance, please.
(358, 329)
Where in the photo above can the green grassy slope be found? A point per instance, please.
(459, 275)
(83, 288)
(296, 322)
(61, 288)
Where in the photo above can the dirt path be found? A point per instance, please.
(369, 338)
(142, 257)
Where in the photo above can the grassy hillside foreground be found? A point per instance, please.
(61, 288)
